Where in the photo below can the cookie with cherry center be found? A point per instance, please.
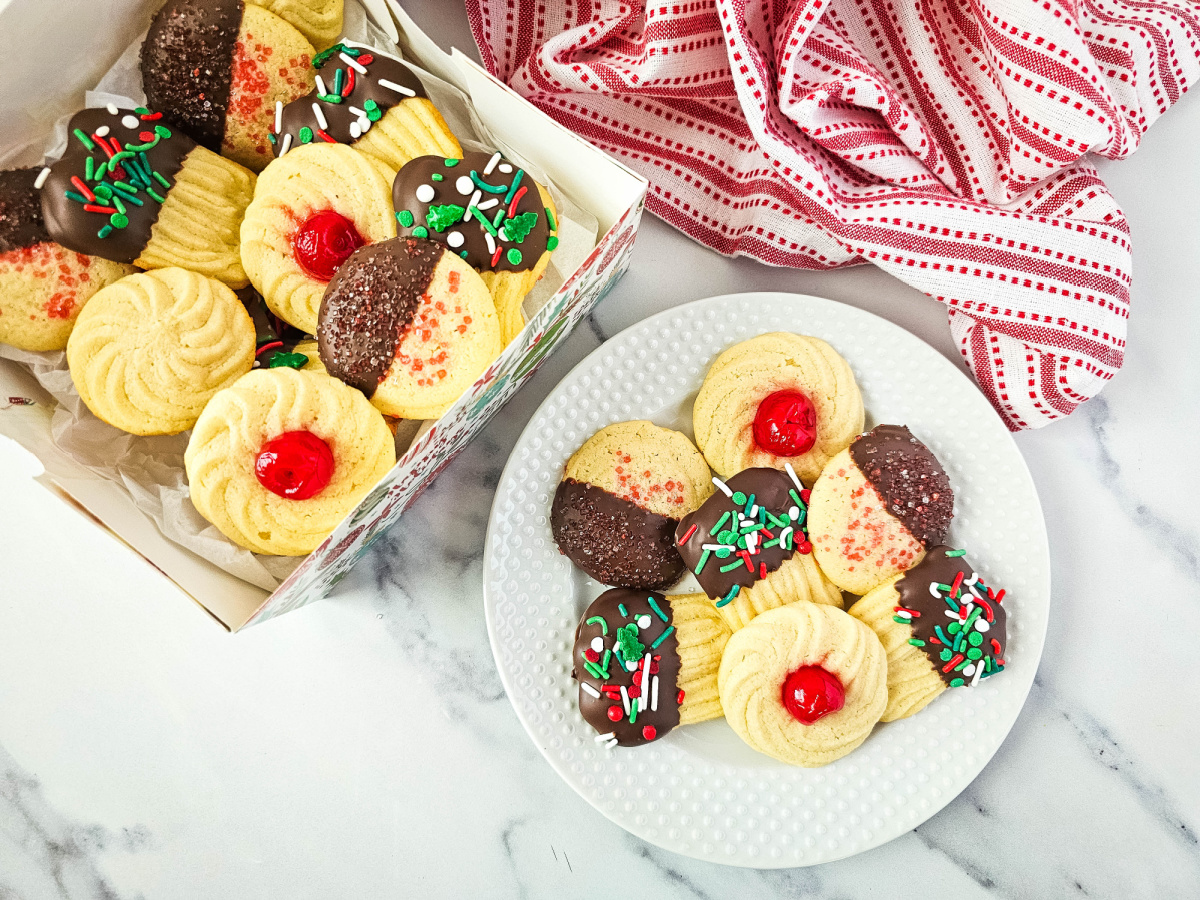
(876, 508)
(621, 497)
(777, 398)
(748, 546)
(941, 626)
(647, 663)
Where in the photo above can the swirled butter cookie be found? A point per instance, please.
(43, 285)
(369, 100)
(774, 398)
(311, 210)
(803, 683)
(646, 663)
(748, 546)
(941, 627)
(131, 190)
(278, 459)
(409, 325)
(876, 507)
(620, 498)
(489, 212)
(320, 21)
(150, 350)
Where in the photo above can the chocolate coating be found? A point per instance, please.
(613, 539)
(453, 196)
(187, 65)
(21, 223)
(299, 113)
(770, 488)
(913, 587)
(76, 228)
(909, 478)
(369, 305)
(664, 658)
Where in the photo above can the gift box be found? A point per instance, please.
(87, 43)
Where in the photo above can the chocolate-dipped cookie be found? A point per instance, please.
(941, 626)
(488, 211)
(876, 507)
(646, 663)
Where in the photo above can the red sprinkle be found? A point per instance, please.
(104, 146)
(687, 537)
(92, 207)
(957, 586)
(83, 188)
(996, 646)
(958, 657)
(366, 59)
(348, 87)
(512, 207)
(649, 732)
(615, 714)
(679, 698)
(745, 555)
(635, 692)
(151, 117)
(916, 614)
(268, 346)
(325, 136)
(496, 256)
(998, 597)
(762, 570)
(987, 609)
(805, 494)
(146, 136)
(591, 655)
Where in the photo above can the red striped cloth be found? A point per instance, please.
(938, 140)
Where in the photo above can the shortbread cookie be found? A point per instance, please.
(489, 212)
(311, 210)
(876, 507)
(320, 21)
(217, 68)
(622, 494)
(774, 398)
(280, 458)
(368, 100)
(748, 546)
(43, 285)
(131, 190)
(149, 351)
(941, 627)
(804, 683)
(409, 325)
(646, 663)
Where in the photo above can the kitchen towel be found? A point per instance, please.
(939, 140)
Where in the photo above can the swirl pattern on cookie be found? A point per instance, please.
(739, 405)
(320, 21)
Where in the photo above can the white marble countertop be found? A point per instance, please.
(363, 747)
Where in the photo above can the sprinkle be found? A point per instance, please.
(956, 553)
(287, 144)
(937, 629)
(550, 219)
(514, 256)
(41, 179)
(512, 207)
(998, 597)
(93, 208)
(603, 624)
(78, 198)
(420, 232)
(161, 180)
(600, 738)
(703, 559)
(933, 589)
(623, 610)
(104, 232)
(472, 205)
(491, 230)
(355, 131)
(398, 88)
(625, 699)
(491, 164)
(489, 204)
(916, 642)
(978, 675)
(604, 662)
(425, 193)
(455, 239)
(352, 63)
(657, 609)
(654, 694)
(551, 242)
(957, 586)
(593, 670)
(732, 566)
(722, 487)
(484, 186)
(278, 116)
(687, 537)
(83, 188)
(728, 598)
(306, 135)
(321, 89)
(513, 188)
(320, 116)
(150, 191)
(958, 657)
(491, 242)
(130, 121)
(720, 523)
(589, 690)
(792, 474)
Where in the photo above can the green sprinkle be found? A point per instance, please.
(902, 620)
(405, 218)
(749, 504)
(337, 81)
(551, 242)
(550, 219)
(104, 232)
(732, 566)
(437, 176)
(336, 98)
(703, 559)
(720, 522)
(604, 662)
(769, 544)
(421, 232)
(916, 642)
(142, 111)
(518, 227)
(657, 610)
(484, 222)
(150, 191)
(992, 671)
(118, 220)
(89, 169)
(738, 498)
(796, 498)
(78, 198)
(728, 598)
(464, 254)
(116, 201)
(484, 186)
(603, 624)
(513, 187)
(970, 623)
(593, 670)
(281, 360)
(84, 139)
(946, 654)
(662, 637)
(514, 256)
(633, 708)
(161, 180)
(975, 639)
(496, 220)
(954, 628)
(974, 653)
(103, 191)
(627, 639)
(442, 216)
(374, 113)
(306, 135)
(957, 682)
(451, 163)
(727, 536)
(162, 131)
(130, 198)
(621, 608)
(271, 137)
(955, 552)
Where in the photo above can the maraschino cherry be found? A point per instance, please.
(786, 423)
(296, 465)
(324, 242)
(810, 693)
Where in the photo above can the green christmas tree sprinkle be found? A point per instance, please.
(281, 360)
(441, 217)
(518, 227)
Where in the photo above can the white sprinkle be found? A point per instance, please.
(969, 670)
(41, 179)
(643, 622)
(713, 547)
(256, 364)
(355, 131)
(903, 614)
(645, 681)
(398, 88)
(102, 131)
(933, 589)
(455, 239)
(598, 643)
(794, 513)
(353, 63)
(321, 120)
(287, 144)
(358, 112)
(625, 699)
(722, 487)
(654, 695)
(601, 738)
(490, 242)
(979, 667)
(753, 511)
(365, 125)
(588, 689)
(130, 121)
(486, 205)
(425, 193)
(610, 744)
(751, 542)
(952, 615)
(487, 170)
(783, 535)
(321, 86)
(631, 666)
(505, 169)
(465, 185)
(470, 203)
(112, 109)
(982, 624)
(502, 233)
(278, 116)
(792, 473)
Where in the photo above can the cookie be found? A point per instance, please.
(876, 507)
(149, 351)
(803, 683)
(43, 285)
(774, 398)
(278, 459)
(311, 210)
(621, 496)
(320, 21)
(748, 546)
(646, 663)
(132, 190)
(217, 68)
(941, 627)
(370, 101)
(409, 325)
(489, 212)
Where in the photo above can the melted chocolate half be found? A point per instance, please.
(604, 666)
(952, 653)
(468, 205)
(744, 537)
(112, 213)
(21, 223)
(369, 305)
(187, 65)
(613, 539)
(909, 478)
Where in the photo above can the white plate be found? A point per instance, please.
(700, 791)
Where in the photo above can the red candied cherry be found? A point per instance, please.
(324, 242)
(786, 423)
(649, 732)
(296, 465)
(810, 693)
